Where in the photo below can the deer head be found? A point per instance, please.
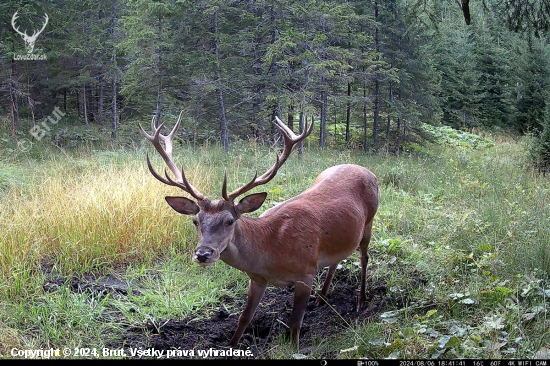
(29, 40)
(215, 219)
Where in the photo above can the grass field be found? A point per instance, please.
(472, 224)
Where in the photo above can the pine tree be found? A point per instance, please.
(533, 88)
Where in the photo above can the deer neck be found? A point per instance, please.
(246, 243)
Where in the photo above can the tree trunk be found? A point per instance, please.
(195, 131)
(301, 127)
(398, 147)
(274, 113)
(114, 108)
(14, 102)
(85, 104)
(303, 102)
(348, 115)
(388, 135)
(273, 69)
(255, 112)
(323, 122)
(376, 126)
(223, 120)
(335, 125)
(219, 91)
(389, 121)
(65, 99)
(159, 71)
(30, 102)
(365, 119)
(31, 108)
(92, 102)
(78, 103)
(100, 101)
(113, 101)
(291, 117)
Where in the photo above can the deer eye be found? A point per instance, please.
(195, 222)
(229, 222)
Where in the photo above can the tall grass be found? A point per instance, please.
(94, 210)
(464, 219)
(85, 214)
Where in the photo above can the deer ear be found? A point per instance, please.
(183, 205)
(251, 202)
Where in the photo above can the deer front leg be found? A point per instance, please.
(302, 291)
(256, 291)
(322, 296)
(364, 245)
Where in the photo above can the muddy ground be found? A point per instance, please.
(320, 322)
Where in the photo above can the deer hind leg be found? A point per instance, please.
(302, 290)
(255, 293)
(364, 245)
(323, 294)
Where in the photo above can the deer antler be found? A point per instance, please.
(24, 34)
(166, 154)
(36, 34)
(291, 139)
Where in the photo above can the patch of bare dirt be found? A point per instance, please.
(87, 283)
(270, 320)
(194, 333)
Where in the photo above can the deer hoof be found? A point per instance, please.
(359, 303)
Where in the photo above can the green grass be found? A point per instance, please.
(472, 223)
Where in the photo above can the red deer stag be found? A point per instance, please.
(288, 243)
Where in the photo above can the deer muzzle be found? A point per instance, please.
(205, 256)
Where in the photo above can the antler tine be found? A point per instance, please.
(186, 186)
(166, 153)
(170, 137)
(224, 185)
(248, 186)
(176, 126)
(267, 176)
(291, 139)
(46, 23)
(285, 130)
(154, 173)
(145, 134)
(35, 34)
(13, 19)
(153, 124)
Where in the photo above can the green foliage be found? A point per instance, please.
(450, 136)
(336, 135)
(532, 89)
(539, 150)
(461, 224)
(458, 246)
(282, 59)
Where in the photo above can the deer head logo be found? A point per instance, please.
(29, 40)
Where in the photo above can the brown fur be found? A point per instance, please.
(292, 241)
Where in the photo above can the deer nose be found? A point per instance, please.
(203, 254)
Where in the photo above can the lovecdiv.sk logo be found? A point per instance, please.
(29, 40)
